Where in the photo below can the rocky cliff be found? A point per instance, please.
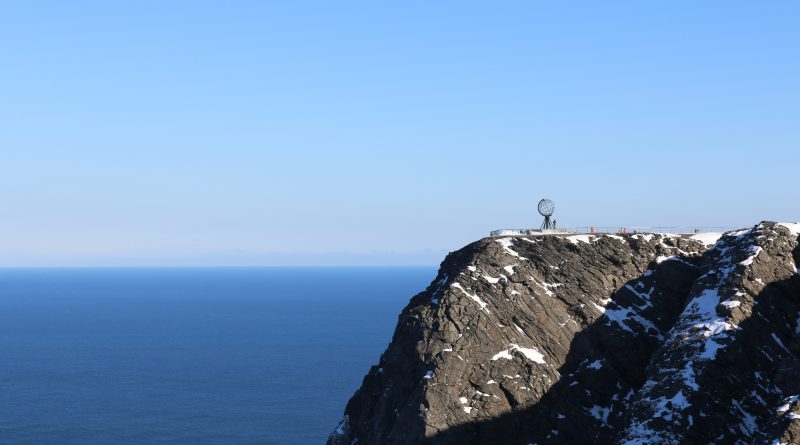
(631, 339)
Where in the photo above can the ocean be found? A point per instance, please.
(190, 356)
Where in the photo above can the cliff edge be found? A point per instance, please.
(583, 339)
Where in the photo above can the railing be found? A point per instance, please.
(513, 232)
(614, 229)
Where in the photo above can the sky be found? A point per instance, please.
(383, 133)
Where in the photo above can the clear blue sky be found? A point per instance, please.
(166, 133)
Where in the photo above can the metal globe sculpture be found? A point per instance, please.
(546, 208)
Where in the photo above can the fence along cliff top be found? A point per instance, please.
(547, 207)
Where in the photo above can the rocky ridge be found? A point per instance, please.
(582, 339)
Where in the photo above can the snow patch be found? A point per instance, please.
(575, 239)
(622, 316)
(742, 232)
(661, 258)
(754, 250)
(748, 424)
(493, 280)
(793, 227)
(780, 343)
(600, 413)
(689, 377)
(730, 304)
(530, 353)
(712, 327)
(708, 239)
(344, 426)
(787, 404)
(474, 298)
(507, 243)
(547, 286)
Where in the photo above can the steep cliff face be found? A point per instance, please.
(644, 338)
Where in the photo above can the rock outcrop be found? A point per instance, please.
(629, 339)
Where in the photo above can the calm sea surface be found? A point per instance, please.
(190, 356)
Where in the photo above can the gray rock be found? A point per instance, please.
(642, 338)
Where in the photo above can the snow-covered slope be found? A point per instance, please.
(635, 339)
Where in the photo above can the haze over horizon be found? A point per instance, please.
(315, 133)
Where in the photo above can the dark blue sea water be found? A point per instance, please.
(190, 356)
